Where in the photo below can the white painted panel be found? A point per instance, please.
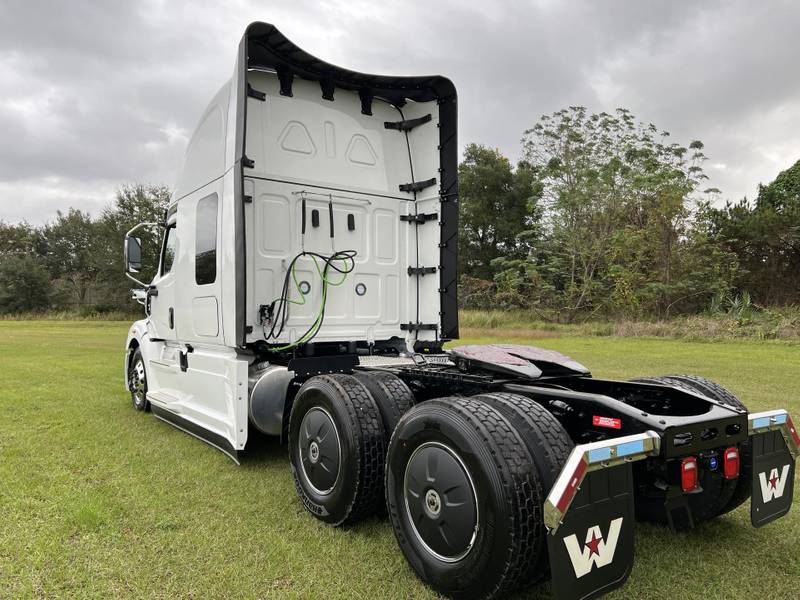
(368, 305)
(304, 138)
(205, 316)
(274, 224)
(347, 316)
(386, 236)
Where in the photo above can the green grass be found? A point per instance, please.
(97, 500)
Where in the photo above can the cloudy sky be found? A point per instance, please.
(95, 94)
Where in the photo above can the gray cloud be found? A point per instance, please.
(94, 94)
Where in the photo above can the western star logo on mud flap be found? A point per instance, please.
(596, 550)
(773, 486)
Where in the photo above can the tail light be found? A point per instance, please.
(731, 462)
(689, 474)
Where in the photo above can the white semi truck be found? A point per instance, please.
(306, 288)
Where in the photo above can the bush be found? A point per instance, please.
(24, 285)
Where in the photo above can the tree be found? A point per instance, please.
(617, 211)
(67, 248)
(765, 236)
(24, 284)
(16, 239)
(496, 203)
(133, 204)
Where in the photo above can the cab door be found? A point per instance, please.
(161, 293)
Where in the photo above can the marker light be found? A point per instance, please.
(689, 474)
(731, 461)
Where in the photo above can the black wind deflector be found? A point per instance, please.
(268, 48)
(263, 46)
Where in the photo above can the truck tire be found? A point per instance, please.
(137, 382)
(337, 449)
(715, 391)
(464, 498)
(719, 495)
(549, 445)
(391, 394)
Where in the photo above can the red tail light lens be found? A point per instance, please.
(689, 474)
(731, 462)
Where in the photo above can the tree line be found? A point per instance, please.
(603, 217)
(75, 262)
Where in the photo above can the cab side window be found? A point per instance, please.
(170, 249)
(205, 259)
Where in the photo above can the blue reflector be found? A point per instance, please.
(599, 454)
(762, 422)
(630, 448)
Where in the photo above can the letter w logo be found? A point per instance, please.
(596, 551)
(773, 487)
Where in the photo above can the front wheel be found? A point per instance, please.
(137, 381)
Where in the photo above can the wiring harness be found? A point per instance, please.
(276, 313)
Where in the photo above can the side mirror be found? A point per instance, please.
(133, 254)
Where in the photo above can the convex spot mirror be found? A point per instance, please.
(133, 254)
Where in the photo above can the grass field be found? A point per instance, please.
(97, 500)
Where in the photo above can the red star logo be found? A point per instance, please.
(773, 482)
(593, 544)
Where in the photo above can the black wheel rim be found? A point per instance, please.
(440, 500)
(319, 450)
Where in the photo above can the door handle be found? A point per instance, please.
(171, 318)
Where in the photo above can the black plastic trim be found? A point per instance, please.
(419, 326)
(327, 87)
(254, 93)
(366, 101)
(408, 124)
(209, 437)
(319, 365)
(420, 217)
(417, 186)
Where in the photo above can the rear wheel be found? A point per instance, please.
(719, 495)
(464, 498)
(549, 445)
(392, 396)
(137, 382)
(337, 449)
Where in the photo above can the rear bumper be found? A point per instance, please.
(589, 512)
(610, 453)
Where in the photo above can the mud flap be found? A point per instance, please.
(592, 551)
(773, 478)
(590, 519)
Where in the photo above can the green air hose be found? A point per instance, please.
(279, 306)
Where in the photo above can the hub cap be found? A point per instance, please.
(138, 385)
(440, 501)
(318, 447)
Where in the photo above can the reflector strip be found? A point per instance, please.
(761, 422)
(793, 431)
(776, 420)
(630, 448)
(595, 456)
(599, 454)
(572, 486)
